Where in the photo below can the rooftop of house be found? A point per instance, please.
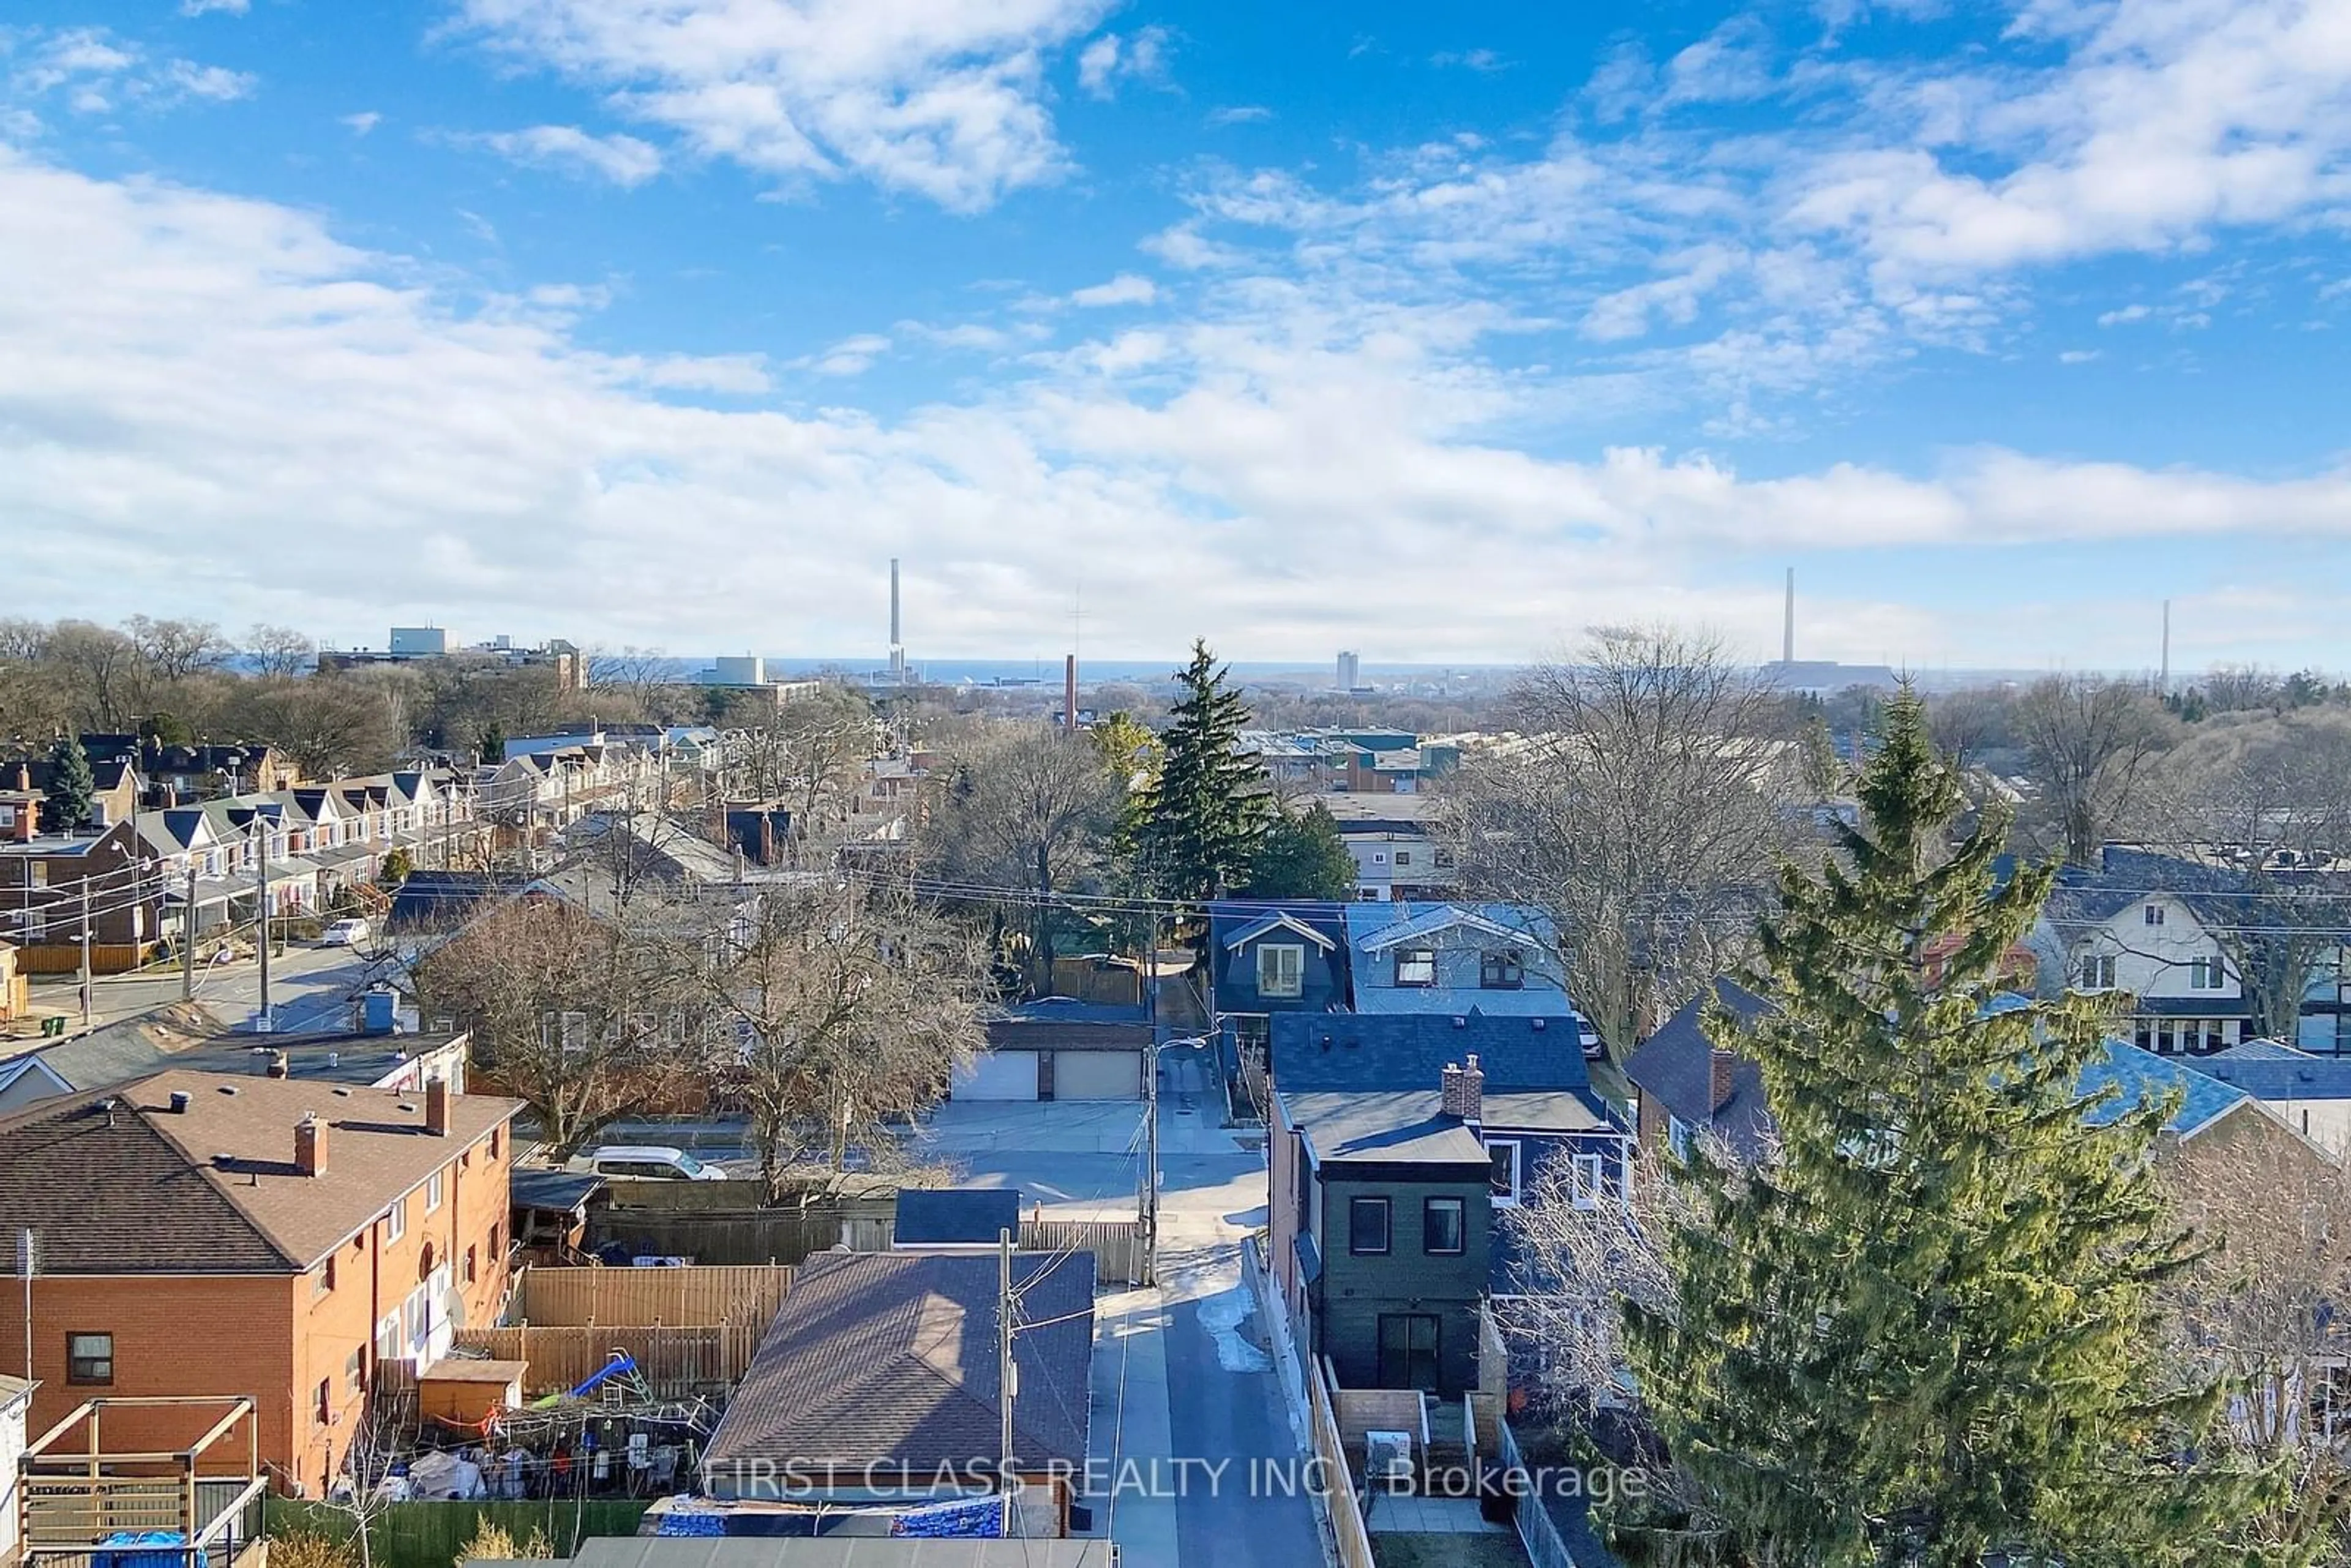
(891, 1357)
(1376, 811)
(932, 1217)
(189, 1036)
(2142, 1077)
(1675, 1067)
(1375, 1051)
(828, 1552)
(1381, 1126)
(131, 1180)
(2271, 1070)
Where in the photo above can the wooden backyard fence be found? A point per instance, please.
(674, 1362)
(644, 1298)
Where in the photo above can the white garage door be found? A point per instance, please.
(998, 1075)
(1097, 1075)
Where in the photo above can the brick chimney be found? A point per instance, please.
(1473, 1090)
(281, 1065)
(311, 1145)
(436, 1107)
(1448, 1090)
(1726, 1064)
(28, 820)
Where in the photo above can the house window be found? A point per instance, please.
(1280, 971)
(2098, 972)
(1444, 860)
(326, 1400)
(1500, 971)
(1416, 967)
(432, 1192)
(322, 1280)
(1379, 857)
(494, 1143)
(1367, 1226)
(1502, 1157)
(1584, 1182)
(1677, 1136)
(1367, 895)
(2154, 914)
(39, 870)
(395, 1220)
(89, 1358)
(472, 1270)
(1444, 1227)
(2207, 974)
(354, 1369)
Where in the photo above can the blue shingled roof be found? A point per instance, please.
(1409, 1050)
(2143, 1076)
(2282, 1073)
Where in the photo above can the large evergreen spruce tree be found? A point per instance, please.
(1925, 1333)
(1209, 809)
(72, 788)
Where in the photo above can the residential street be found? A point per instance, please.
(309, 988)
(1180, 1371)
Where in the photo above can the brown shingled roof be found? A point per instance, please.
(141, 1188)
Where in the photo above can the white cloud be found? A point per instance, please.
(1141, 56)
(2077, 356)
(623, 159)
(941, 100)
(362, 122)
(200, 7)
(1731, 65)
(849, 357)
(94, 72)
(1126, 288)
(1237, 114)
(198, 362)
(1484, 62)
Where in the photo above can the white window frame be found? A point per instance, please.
(2210, 974)
(2153, 915)
(2097, 972)
(1586, 1179)
(1269, 975)
(1518, 1172)
(432, 1192)
(395, 1220)
(1417, 956)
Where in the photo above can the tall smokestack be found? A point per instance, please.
(896, 641)
(1070, 693)
(1788, 625)
(2164, 686)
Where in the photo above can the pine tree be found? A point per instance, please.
(1927, 1328)
(71, 789)
(1209, 809)
(1302, 856)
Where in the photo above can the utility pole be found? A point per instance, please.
(1007, 1375)
(261, 876)
(188, 936)
(28, 1259)
(85, 952)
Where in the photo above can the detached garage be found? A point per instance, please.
(1061, 1049)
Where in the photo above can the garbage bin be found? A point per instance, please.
(54, 1027)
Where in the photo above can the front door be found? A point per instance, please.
(1408, 1350)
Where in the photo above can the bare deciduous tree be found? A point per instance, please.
(2088, 742)
(174, 650)
(280, 650)
(1644, 812)
(849, 1006)
(585, 1015)
(1026, 806)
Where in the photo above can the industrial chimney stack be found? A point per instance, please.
(1788, 623)
(897, 643)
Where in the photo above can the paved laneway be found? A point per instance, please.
(1187, 1410)
(310, 989)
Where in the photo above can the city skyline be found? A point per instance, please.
(1442, 336)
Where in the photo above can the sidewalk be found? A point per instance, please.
(1132, 1426)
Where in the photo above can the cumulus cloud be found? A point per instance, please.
(1237, 114)
(943, 100)
(197, 362)
(91, 71)
(1126, 288)
(362, 122)
(1141, 56)
(200, 7)
(623, 159)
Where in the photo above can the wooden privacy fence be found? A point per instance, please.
(582, 1298)
(1347, 1526)
(1120, 1255)
(674, 1362)
(433, 1534)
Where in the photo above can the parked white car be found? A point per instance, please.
(344, 934)
(648, 1162)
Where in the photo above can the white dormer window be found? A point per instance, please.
(2154, 914)
(2207, 974)
(2098, 972)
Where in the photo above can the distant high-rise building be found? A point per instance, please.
(1349, 672)
(897, 645)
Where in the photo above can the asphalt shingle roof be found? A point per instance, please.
(891, 1358)
(1675, 1067)
(1380, 1050)
(2278, 1072)
(140, 1188)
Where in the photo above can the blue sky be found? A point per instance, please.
(1441, 333)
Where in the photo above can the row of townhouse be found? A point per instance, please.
(1424, 1071)
(199, 868)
